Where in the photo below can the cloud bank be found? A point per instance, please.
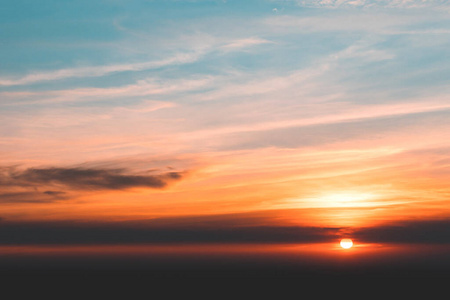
(184, 230)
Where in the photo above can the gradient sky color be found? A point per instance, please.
(233, 113)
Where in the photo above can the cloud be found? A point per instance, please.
(181, 58)
(25, 197)
(54, 193)
(120, 233)
(32, 197)
(356, 22)
(343, 113)
(147, 87)
(211, 230)
(427, 231)
(97, 71)
(337, 130)
(245, 43)
(88, 178)
(45, 185)
(371, 3)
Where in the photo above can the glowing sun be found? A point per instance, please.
(346, 243)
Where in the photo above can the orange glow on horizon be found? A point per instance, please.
(340, 185)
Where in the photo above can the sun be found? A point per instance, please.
(346, 243)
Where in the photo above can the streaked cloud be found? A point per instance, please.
(96, 71)
(46, 185)
(31, 197)
(372, 3)
(85, 178)
(244, 43)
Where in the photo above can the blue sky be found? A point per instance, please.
(366, 51)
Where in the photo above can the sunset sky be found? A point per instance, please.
(310, 119)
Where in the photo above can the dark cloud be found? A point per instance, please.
(405, 261)
(54, 193)
(84, 178)
(31, 197)
(42, 185)
(430, 231)
(72, 233)
(186, 230)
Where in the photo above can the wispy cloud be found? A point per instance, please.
(380, 22)
(245, 43)
(98, 71)
(144, 87)
(371, 3)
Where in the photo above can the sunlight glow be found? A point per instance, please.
(347, 199)
(346, 243)
(339, 199)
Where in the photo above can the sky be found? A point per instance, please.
(289, 120)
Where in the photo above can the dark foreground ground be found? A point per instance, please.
(226, 272)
